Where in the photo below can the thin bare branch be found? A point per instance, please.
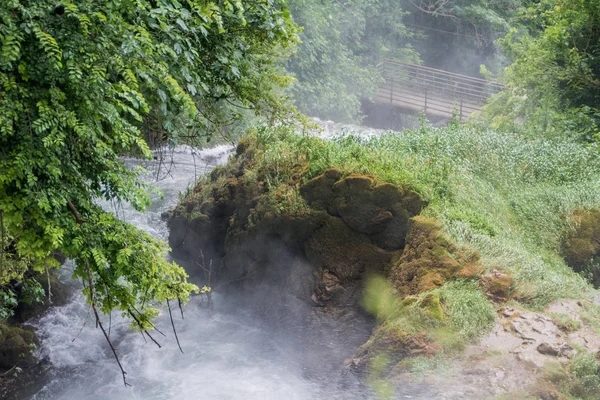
(438, 8)
(99, 323)
(173, 325)
(93, 299)
(180, 307)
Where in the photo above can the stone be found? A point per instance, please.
(548, 350)
(16, 346)
(498, 285)
(343, 251)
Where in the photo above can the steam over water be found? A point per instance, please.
(235, 352)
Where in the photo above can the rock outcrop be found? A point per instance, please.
(318, 238)
(16, 346)
(344, 225)
(582, 242)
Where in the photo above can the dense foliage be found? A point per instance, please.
(81, 84)
(459, 35)
(554, 80)
(342, 42)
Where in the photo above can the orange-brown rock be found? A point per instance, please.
(499, 286)
(428, 259)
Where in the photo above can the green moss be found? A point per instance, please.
(345, 252)
(16, 345)
(579, 379)
(432, 306)
(380, 210)
(581, 247)
(428, 260)
(499, 286)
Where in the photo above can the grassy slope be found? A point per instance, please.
(503, 194)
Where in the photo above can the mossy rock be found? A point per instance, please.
(380, 210)
(294, 229)
(470, 271)
(432, 306)
(318, 192)
(344, 252)
(499, 286)
(393, 235)
(582, 242)
(429, 259)
(16, 346)
(394, 343)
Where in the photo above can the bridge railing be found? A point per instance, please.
(436, 91)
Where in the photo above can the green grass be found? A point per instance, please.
(467, 313)
(419, 366)
(565, 322)
(579, 379)
(503, 194)
(470, 312)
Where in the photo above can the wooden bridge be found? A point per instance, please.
(432, 91)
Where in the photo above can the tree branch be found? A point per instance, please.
(93, 300)
(436, 8)
(99, 323)
(173, 325)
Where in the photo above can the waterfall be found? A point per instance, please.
(229, 353)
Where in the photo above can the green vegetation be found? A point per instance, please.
(501, 209)
(501, 201)
(342, 42)
(582, 243)
(578, 380)
(85, 83)
(460, 35)
(554, 76)
(565, 322)
(469, 310)
(519, 185)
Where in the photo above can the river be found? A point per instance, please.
(231, 352)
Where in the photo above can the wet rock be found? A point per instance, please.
(329, 288)
(508, 312)
(548, 350)
(16, 346)
(343, 251)
(52, 285)
(381, 211)
(394, 343)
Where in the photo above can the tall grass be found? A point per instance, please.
(504, 194)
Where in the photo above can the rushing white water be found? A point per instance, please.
(229, 353)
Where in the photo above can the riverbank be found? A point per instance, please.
(458, 222)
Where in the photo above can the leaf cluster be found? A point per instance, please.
(80, 82)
